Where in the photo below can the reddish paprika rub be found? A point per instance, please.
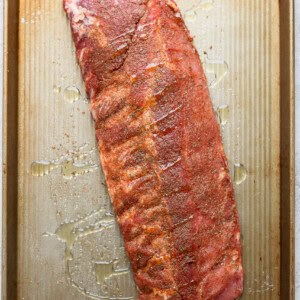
(160, 148)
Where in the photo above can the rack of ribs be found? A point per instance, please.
(160, 148)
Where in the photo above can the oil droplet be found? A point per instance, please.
(66, 234)
(48, 234)
(190, 15)
(103, 271)
(71, 169)
(71, 94)
(57, 89)
(216, 67)
(240, 173)
(107, 270)
(86, 100)
(70, 232)
(42, 168)
(223, 114)
(206, 4)
(68, 163)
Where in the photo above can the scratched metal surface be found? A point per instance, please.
(69, 244)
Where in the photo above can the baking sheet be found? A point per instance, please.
(68, 243)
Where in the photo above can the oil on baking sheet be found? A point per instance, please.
(70, 244)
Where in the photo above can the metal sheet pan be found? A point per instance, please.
(60, 238)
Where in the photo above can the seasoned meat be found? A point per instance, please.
(160, 148)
